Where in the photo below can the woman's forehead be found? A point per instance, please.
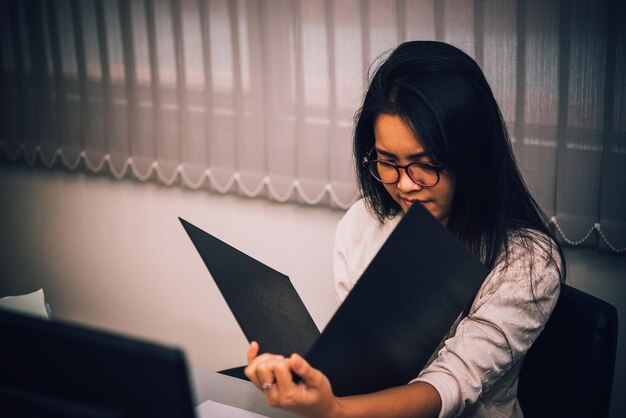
(395, 137)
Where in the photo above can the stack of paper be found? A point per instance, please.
(33, 304)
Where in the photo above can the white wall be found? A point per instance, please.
(113, 254)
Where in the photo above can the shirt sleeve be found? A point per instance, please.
(506, 317)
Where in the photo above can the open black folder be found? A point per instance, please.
(387, 328)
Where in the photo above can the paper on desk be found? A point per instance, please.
(31, 304)
(211, 409)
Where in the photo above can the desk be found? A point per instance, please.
(231, 391)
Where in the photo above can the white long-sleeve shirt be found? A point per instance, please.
(476, 367)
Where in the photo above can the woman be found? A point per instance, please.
(430, 132)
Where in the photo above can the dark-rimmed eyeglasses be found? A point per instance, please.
(424, 174)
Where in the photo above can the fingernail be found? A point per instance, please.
(296, 360)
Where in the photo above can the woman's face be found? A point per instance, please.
(396, 143)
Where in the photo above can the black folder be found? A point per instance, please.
(389, 325)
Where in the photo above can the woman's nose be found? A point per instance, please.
(406, 184)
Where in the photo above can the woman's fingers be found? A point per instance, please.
(273, 374)
(253, 350)
(250, 370)
(311, 376)
(286, 394)
(265, 376)
(260, 367)
(257, 370)
(284, 378)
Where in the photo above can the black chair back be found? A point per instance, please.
(568, 372)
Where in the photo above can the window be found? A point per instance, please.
(258, 97)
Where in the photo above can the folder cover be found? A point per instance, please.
(389, 325)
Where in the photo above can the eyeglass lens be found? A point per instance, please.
(388, 173)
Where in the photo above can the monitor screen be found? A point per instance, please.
(58, 369)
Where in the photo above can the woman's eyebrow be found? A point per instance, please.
(409, 157)
(385, 153)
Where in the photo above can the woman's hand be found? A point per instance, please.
(311, 397)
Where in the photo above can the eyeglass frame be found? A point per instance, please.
(438, 168)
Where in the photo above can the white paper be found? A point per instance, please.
(33, 304)
(211, 409)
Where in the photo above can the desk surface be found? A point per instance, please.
(231, 391)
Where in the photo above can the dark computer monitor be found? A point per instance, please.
(55, 369)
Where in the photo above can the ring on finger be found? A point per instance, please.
(267, 386)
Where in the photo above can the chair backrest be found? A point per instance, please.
(568, 372)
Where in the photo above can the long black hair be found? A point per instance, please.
(441, 94)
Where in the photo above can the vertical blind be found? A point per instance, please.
(257, 96)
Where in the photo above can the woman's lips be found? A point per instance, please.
(410, 202)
